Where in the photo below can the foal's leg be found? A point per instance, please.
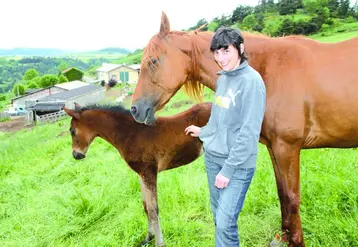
(148, 184)
(286, 163)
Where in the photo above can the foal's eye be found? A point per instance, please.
(73, 132)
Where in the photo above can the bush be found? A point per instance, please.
(62, 79)
(33, 84)
(36, 80)
(3, 97)
(112, 82)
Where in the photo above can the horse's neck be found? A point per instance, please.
(208, 66)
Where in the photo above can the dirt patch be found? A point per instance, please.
(13, 125)
(113, 94)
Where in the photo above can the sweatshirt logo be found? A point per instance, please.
(233, 95)
(224, 102)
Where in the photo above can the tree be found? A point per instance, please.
(30, 74)
(213, 26)
(249, 22)
(199, 24)
(286, 7)
(344, 8)
(333, 7)
(18, 89)
(240, 13)
(48, 80)
(36, 80)
(32, 85)
(63, 65)
(311, 6)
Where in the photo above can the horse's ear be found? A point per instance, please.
(164, 25)
(72, 113)
(77, 107)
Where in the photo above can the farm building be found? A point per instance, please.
(120, 72)
(51, 106)
(32, 95)
(73, 74)
(81, 95)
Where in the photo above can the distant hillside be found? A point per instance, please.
(114, 50)
(107, 52)
(52, 52)
(33, 52)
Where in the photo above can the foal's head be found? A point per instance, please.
(82, 135)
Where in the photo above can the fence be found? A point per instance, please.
(51, 117)
(29, 118)
(4, 115)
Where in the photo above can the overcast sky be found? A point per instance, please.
(94, 25)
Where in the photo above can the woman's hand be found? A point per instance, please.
(192, 130)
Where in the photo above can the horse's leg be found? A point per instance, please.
(148, 184)
(286, 163)
(283, 203)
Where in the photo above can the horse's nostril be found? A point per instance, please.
(133, 110)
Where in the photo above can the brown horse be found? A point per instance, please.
(148, 150)
(311, 97)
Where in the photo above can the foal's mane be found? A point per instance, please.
(106, 107)
(192, 87)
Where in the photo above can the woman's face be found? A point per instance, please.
(228, 59)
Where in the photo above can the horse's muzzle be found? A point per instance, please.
(143, 113)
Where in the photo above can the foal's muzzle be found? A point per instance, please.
(77, 155)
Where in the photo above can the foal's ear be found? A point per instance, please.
(164, 25)
(72, 113)
(77, 107)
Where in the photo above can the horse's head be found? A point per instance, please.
(169, 60)
(82, 136)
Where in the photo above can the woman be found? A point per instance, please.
(231, 136)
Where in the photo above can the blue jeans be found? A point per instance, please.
(227, 203)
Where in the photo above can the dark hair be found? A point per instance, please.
(226, 36)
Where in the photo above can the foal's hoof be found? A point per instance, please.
(146, 241)
(276, 242)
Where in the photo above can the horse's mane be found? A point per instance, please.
(106, 107)
(192, 87)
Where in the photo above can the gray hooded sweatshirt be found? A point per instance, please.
(231, 136)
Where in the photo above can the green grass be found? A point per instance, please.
(337, 37)
(49, 199)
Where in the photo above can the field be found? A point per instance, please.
(49, 199)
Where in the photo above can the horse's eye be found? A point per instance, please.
(153, 61)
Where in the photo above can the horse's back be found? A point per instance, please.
(314, 92)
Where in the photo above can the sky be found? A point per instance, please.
(84, 25)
